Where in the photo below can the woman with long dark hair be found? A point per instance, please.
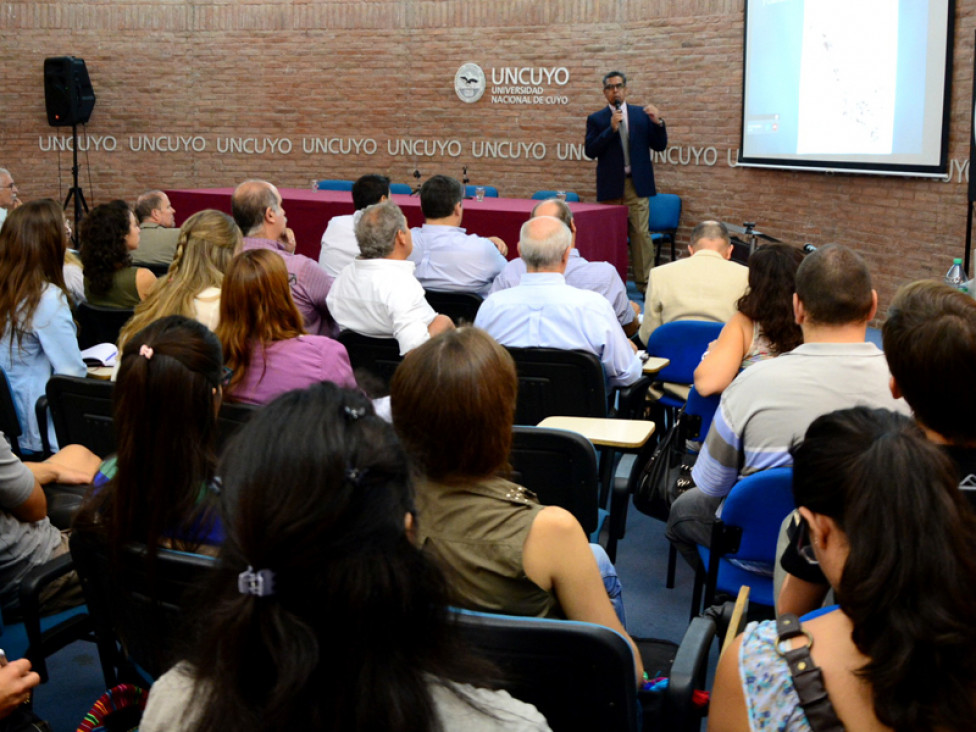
(208, 241)
(158, 487)
(108, 233)
(322, 614)
(37, 335)
(453, 401)
(763, 328)
(885, 519)
(263, 334)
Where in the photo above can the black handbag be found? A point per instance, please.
(667, 473)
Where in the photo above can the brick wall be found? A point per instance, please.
(297, 71)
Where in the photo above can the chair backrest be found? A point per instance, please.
(334, 185)
(665, 212)
(490, 191)
(683, 342)
(579, 675)
(401, 188)
(81, 410)
(556, 382)
(231, 418)
(458, 306)
(9, 422)
(758, 504)
(702, 407)
(99, 325)
(137, 608)
(378, 356)
(571, 196)
(560, 467)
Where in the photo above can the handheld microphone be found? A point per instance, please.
(616, 104)
(809, 248)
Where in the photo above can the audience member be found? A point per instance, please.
(74, 275)
(929, 342)
(8, 195)
(600, 277)
(109, 234)
(322, 614)
(703, 286)
(502, 550)
(29, 538)
(207, 242)
(883, 518)
(158, 488)
(339, 245)
(449, 259)
(377, 295)
(545, 312)
(764, 326)
(257, 209)
(38, 336)
(771, 403)
(16, 682)
(263, 337)
(157, 236)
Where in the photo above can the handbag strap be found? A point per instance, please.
(807, 677)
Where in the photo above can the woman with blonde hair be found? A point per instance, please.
(208, 241)
(37, 335)
(264, 338)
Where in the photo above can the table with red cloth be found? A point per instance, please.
(601, 229)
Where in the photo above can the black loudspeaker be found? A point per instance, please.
(68, 94)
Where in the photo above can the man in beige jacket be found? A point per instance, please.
(704, 286)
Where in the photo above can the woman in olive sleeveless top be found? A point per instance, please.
(108, 234)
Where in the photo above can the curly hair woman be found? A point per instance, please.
(763, 328)
(108, 233)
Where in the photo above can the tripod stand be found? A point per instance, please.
(75, 192)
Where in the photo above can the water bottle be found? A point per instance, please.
(955, 277)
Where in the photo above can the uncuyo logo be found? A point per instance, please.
(470, 83)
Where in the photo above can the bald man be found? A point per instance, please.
(545, 312)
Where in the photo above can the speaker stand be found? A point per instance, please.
(75, 192)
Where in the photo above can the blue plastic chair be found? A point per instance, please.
(571, 196)
(401, 189)
(490, 191)
(334, 185)
(665, 216)
(747, 532)
(683, 342)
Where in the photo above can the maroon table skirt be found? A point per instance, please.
(601, 230)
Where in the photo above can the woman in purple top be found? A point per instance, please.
(264, 338)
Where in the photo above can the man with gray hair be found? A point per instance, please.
(600, 277)
(256, 206)
(8, 194)
(377, 294)
(158, 234)
(704, 286)
(545, 312)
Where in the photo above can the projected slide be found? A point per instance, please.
(847, 85)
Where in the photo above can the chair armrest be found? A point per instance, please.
(30, 605)
(687, 671)
(630, 399)
(40, 410)
(63, 502)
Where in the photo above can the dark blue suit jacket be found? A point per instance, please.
(603, 144)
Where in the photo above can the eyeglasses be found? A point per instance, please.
(226, 375)
(611, 87)
(10, 185)
(804, 547)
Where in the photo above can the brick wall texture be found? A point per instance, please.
(319, 76)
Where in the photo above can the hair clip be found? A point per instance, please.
(356, 476)
(146, 351)
(259, 584)
(354, 413)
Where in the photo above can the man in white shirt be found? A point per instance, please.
(377, 294)
(339, 246)
(600, 277)
(544, 312)
(8, 194)
(448, 258)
